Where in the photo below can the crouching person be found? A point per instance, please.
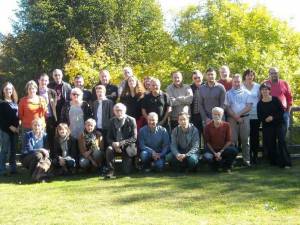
(35, 155)
(184, 145)
(121, 139)
(154, 143)
(90, 146)
(219, 151)
(65, 150)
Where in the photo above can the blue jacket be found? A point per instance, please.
(32, 144)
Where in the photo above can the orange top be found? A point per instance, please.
(28, 111)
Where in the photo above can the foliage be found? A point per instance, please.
(223, 32)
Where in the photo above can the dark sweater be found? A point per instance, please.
(8, 116)
(133, 104)
(273, 108)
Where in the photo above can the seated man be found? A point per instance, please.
(184, 144)
(121, 138)
(217, 134)
(154, 143)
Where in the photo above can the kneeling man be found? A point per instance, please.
(184, 145)
(217, 134)
(154, 143)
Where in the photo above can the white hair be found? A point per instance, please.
(218, 110)
(153, 114)
(127, 68)
(121, 106)
(90, 121)
(237, 76)
(57, 70)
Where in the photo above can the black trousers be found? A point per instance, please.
(50, 129)
(254, 140)
(275, 145)
(197, 121)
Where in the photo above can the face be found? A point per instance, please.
(43, 82)
(211, 76)
(100, 92)
(62, 131)
(274, 74)
(152, 121)
(147, 83)
(8, 90)
(236, 83)
(249, 77)
(155, 86)
(224, 73)
(197, 78)
(177, 79)
(57, 76)
(119, 112)
(75, 96)
(217, 116)
(89, 127)
(265, 92)
(31, 90)
(127, 73)
(37, 127)
(132, 82)
(79, 83)
(183, 121)
(104, 77)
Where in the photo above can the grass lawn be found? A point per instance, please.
(261, 195)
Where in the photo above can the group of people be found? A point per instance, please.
(67, 128)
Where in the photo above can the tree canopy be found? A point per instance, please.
(83, 36)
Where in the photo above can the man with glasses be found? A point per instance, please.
(212, 94)
(79, 83)
(62, 89)
(195, 106)
(281, 90)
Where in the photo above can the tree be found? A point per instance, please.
(223, 32)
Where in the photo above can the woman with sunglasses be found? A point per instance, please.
(9, 123)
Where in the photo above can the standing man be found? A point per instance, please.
(184, 145)
(79, 83)
(62, 89)
(159, 102)
(281, 90)
(225, 78)
(111, 89)
(51, 100)
(238, 105)
(212, 94)
(181, 96)
(154, 143)
(121, 138)
(195, 107)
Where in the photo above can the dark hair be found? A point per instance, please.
(183, 114)
(14, 96)
(247, 72)
(175, 71)
(264, 85)
(210, 69)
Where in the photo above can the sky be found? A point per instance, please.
(287, 10)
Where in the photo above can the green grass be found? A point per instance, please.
(261, 195)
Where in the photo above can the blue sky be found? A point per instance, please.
(284, 9)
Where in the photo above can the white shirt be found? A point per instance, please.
(237, 99)
(254, 96)
(99, 115)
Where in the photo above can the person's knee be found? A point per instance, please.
(193, 160)
(159, 164)
(97, 155)
(84, 163)
(145, 156)
(208, 156)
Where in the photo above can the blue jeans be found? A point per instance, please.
(190, 162)
(4, 149)
(286, 119)
(146, 158)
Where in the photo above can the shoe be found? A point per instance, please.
(247, 163)
(287, 167)
(110, 175)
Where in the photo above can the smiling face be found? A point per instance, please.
(197, 78)
(236, 82)
(37, 126)
(89, 127)
(132, 82)
(43, 82)
(224, 72)
(211, 76)
(79, 82)
(119, 111)
(62, 131)
(8, 91)
(155, 86)
(152, 121)
(274, 74)
(177, 79)
(183, 121)
(31, 90)
(57, 76)
(104, 77)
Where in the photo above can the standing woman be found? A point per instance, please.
(270, 112)
(253, 89)
(9, 123)
(31, 107)
(131, 97)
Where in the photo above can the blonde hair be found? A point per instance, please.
(29, 84)
(62, 126)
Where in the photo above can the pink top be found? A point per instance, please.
(283, 92)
